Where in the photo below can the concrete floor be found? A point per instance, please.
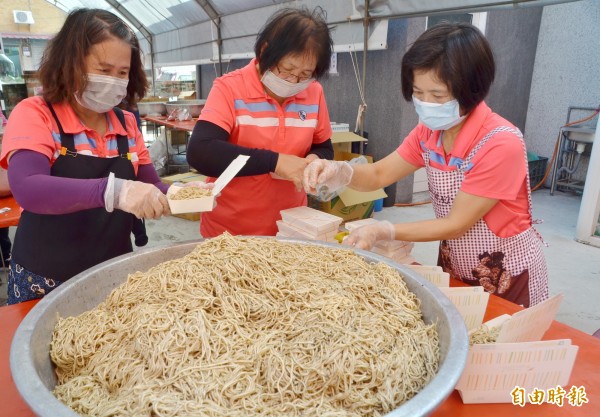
(574, 268)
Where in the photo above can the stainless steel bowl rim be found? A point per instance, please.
(40, 399)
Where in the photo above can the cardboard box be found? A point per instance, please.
(193, 205)
(350, 204)
(342, 142)
(518, 358)
(313, 222)
(289, 230)
(185, 177)
(177, 137)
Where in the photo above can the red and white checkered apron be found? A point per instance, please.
(513, 268)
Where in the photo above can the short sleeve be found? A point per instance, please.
(219, 106)
(323, 130)
(29, 127)
(411, 149)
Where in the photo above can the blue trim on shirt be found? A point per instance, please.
(308, 108)
(253, 107)
(83, 139)
(455, 161)
(434, 156)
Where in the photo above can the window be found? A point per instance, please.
(477, 19)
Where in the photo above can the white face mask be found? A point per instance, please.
(281, 87)
(102, 92)
(438, 116)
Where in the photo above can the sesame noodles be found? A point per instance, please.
(187, 193)
(248, 326)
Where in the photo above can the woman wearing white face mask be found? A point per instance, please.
(274, 110)
(78, 167)
(476, 166)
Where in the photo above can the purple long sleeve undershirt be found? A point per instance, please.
(38, 192)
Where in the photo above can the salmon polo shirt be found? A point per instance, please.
(498, 170)
(239, 104)
(32, 127)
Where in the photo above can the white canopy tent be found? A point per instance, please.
(180, 32)
(184, 32)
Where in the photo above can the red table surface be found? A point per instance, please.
(187, 125)
(11, 217)
(586, 372)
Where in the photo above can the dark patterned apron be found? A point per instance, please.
(50, 249)
(514, 267)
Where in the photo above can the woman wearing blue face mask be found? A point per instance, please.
(476, 166)
(78, 167)
(274, 110)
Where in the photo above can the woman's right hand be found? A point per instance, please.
(140, 199)
(291, 168)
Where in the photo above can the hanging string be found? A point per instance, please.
(362, 107)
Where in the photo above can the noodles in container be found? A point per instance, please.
(195, 199)
(246, 326)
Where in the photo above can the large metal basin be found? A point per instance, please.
(33, 371)
(193, 106)
(152, 108)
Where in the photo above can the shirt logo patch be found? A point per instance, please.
(302, 115)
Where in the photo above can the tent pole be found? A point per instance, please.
(220, 46)
(364, 72)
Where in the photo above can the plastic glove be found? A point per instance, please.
(365, 237)
(140, 199)
(321, 173)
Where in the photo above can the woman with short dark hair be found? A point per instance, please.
(273, 110)
(77, 165)
(476, 165)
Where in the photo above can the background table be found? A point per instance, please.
(586, 372)
(176, 139)
(11, 217)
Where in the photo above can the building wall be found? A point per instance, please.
(513, 36)
(47, 17)
(566, 73)
(547, 58)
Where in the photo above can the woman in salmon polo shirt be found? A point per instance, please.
(476, 166)
(78, 168)
(274, 110)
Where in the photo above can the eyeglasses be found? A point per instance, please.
(293, 78)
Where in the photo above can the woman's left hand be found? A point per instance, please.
(291, 168)
(364, 237)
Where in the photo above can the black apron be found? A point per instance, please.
(61, 246)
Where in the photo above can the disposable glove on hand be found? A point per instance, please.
(140, 199)
(323, 173)
(365, 237)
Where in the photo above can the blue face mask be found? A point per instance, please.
(438, 116)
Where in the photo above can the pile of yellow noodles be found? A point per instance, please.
(249, 326)
(484, 335)
(187, 193)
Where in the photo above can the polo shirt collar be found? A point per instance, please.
(71, 124)
(469, 133)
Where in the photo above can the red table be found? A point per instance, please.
(11, 217)
(586, 372)
(187, 125)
